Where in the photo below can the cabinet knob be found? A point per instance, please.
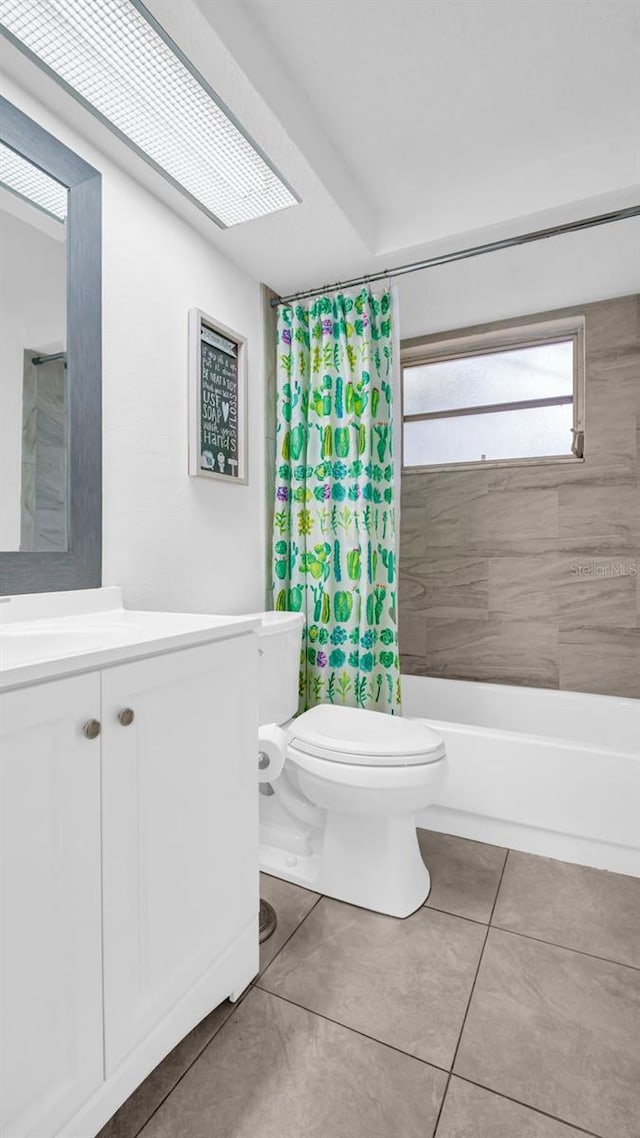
(92, 729)
(126, 716)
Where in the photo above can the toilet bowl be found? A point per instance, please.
(340, 818)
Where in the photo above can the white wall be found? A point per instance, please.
(32, 315)
(595, 264)
(172, 541)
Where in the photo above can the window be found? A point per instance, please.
(502, 396)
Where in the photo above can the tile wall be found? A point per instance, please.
(44, 475)
(531, 575)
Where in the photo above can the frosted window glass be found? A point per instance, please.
(530, 433)
(539, 372)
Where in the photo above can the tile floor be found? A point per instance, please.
(507, 1007)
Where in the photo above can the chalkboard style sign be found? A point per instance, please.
(217, 400)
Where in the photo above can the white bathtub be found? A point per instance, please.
(549, 772)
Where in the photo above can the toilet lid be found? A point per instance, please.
(348, 735)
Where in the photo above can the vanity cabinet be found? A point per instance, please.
(180, 824)
(129, 875)
(50, 921)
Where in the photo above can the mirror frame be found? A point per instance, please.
(80, 566)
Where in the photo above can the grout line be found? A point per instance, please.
(566, 948)
(284, 944)
(484, 945)
(461, 838)
(426, 1062)
(256, 983)
(473, 988)
(155, 1110)
(448, 913)
(495, 899)
(250, 986)
(527, 1106)
(553, 943)
(354, 1030)
(528, 936)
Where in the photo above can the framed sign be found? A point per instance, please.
(217, 400)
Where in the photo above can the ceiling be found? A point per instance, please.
(458, 114)
(407, 127)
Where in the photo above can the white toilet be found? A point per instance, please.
(340, 818)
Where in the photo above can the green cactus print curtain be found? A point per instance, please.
(334, 524)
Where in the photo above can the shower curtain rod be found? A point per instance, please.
(49, 359)
(464, 254)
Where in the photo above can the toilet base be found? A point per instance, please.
(372, 861)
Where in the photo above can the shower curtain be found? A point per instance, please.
(334, 545)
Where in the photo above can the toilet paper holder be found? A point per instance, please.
(272, 751)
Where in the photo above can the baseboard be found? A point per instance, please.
(532, 839)
(227, 978)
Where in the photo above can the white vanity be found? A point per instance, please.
(128, 845)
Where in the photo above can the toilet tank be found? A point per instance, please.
(279, 641)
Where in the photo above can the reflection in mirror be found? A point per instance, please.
(34, 428)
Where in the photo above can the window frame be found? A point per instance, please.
(505, 337)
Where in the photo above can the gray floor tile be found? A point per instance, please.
(291, 904)
(405, 983)
(276, 1071)
(571, 905)
(471, 1112)
(138, 1108)
(558, 1031)
(464, 875)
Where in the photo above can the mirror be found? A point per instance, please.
(34, 426)
(50, 362)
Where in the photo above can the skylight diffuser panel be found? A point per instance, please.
(113, 57)
(26, 180)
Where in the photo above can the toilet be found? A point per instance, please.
(340, 817)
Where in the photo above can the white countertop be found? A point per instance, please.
(49, 635)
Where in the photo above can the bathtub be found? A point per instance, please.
(549, 772)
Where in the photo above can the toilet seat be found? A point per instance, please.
(363, 738)
(399, 777)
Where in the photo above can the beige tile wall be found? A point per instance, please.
(506, 574)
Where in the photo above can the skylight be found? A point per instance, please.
(114, 57)
(26, 180)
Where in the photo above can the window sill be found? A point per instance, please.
(485, 464)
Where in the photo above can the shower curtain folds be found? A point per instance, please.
(334, 542)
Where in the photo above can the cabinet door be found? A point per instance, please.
(50, 941)
(180, 827)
